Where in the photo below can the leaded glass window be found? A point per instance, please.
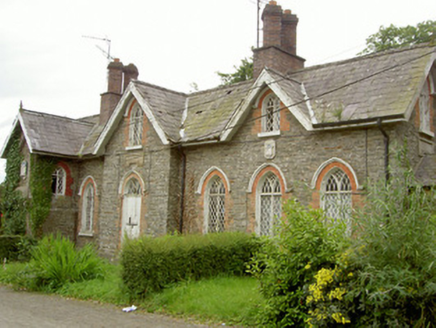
(270, 208)
(135, 130)
(58, 182)
(271, 114)
(216, 205)
(88, 209)
(133, 187)
(337, 195)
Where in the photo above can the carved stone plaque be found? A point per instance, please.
(270, 149)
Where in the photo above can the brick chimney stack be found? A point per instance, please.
(119, 77)
(279, 49)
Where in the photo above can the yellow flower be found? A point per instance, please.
(307, 267)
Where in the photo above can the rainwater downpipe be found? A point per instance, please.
(182, 188)
(386, 155)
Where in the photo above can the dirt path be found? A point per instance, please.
(23, 309)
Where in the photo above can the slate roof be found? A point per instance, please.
(54, 134)
(378, 85)
(208, 112)
(382, 85)
(166, 105)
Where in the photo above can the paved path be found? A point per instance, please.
(23, 309)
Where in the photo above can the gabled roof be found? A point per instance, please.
(50, 134)
(352, 92)
(380, 85)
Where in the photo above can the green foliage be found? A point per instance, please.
(389, 271)
(394, 37)
(221, 299)
(9, 247)
(40, 187)
(55, 261)
(13, 248)
(106, 289)
(13, 204)
(243, 72)
(287, 263)
(150, 264)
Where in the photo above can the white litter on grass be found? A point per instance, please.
(130, 308)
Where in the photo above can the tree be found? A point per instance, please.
(243, 73)
(394, 37)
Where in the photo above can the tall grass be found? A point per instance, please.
(229, 300)
(55, 261)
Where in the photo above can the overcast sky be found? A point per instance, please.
(46, 63)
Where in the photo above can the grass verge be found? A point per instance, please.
(229, 300)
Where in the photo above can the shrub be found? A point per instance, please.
(304, 243)
(389, 272)
(149, 264)
(9, 247)
(55, 261)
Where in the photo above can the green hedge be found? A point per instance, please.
(9, 247)
(149, 264)
(16, 248)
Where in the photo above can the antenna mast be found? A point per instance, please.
(108, 43)
(258, 11)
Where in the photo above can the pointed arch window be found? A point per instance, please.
(135, 128)
(336, 198)
(59, 179)
(424, 108)
(88, 209)
(215, 207)
(269, 203)
(271, 114)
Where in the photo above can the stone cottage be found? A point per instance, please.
(156, 161)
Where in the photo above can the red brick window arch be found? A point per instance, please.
(269, 185)
(214, 189)
(335, 182)
(61, 180)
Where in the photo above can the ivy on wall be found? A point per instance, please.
(40, 187)
(13, 204)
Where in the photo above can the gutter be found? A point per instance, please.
(386, 155)
(358, 121)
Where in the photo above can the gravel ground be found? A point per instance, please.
(23, 309)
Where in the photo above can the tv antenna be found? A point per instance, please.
(108, 43)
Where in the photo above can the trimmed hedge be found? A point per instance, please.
(149, 264)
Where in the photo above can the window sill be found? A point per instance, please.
(86, 234)
(268, 134)
(134, 147)
(428, 133)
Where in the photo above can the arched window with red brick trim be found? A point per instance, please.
(269, 203)
(336, 194)
(215, 207)
(336, 187)
(59, 181)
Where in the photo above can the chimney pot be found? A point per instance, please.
(273, 3)
(288, 11)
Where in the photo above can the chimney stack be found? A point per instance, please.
(119, 77)
(279, 49)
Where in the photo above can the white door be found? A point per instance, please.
(131, 209)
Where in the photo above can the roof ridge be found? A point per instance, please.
(223, 87)
(367, 56)
(159, 87)
(65, 118)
